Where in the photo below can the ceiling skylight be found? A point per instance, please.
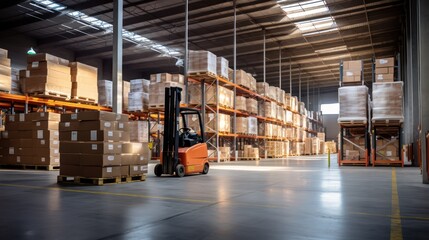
(303, 9)
(108, 28)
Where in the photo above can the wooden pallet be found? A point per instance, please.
(83, 100)
(52, 95)
(63, 179)
(386, 122)
(31, 167)
(156, 106)
(203, 75)
(4, 91)
(354, 123)
(250, 159)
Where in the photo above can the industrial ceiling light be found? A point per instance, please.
(96, 23)
(31, 51)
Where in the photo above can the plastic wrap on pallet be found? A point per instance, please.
(252, 82)
(125, 92)
(252, 105)
(241, 78)
(387, 101)
(265, 129)
(224, 122)
(105, 92)
(195, 93)
(262, 88)
(353, 102)
(241, 124)
(303, 121)
(226, 97)
(139, 85)
(222, 67)
(202, 62)
(139, 131)
(289, 117)
(270, 109)
(157, 92)
(252, 125)
(138, 101)
(287, 100)
(5, 73)
(301, 108)
(240, 103)
(315, 145)
(273, 93)
(261, 109)
(84, 81)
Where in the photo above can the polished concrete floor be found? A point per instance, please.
(296, 198)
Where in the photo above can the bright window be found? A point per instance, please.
(332, 108)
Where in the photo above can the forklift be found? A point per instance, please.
(184, 152)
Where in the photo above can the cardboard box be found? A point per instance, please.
(5, 61)
(43, 116)
(138, 170)
(48, 68)
(43, 84)
(68, 117)
(47, 58)
(135, 148)
(91, 147)
(70, 170)
(100, 159)
(134, 159)
(97, 125)
(100, 172)
(68, 126)
(70, 159)
(352, 65)
(45, 134)
(125, 171)
(384, 70)
(388, 77)
(351, 78)
(46, 160)
(101, 115)
(93, 135)
(20, 117)
(385, 62)
(352, 155)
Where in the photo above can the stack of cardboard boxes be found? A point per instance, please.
(31, 139)
(97, 145)
(387, 149)
(138, 97)
(49, 75)
(139, 131)
(84, 82)
(384, 69)
(252, 106)
(5, 71)
(352, 71)
(158, 83)
(250, 152)
(105, 93)
(222, 67)
(202, 62)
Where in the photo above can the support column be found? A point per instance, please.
(290, 77)
(234, 121)
(185, 60)
(280, 66)
(299, 81)
(117, 56)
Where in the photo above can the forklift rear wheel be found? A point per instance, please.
(180, 170)
(206, 168)
(158, 170)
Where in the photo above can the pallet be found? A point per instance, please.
(52, 95)
(4, 91)
(156, 106)
(386, 122)
(83, 100)
(353, 123)
(250, 158)
(31, 167)
(203, 75)
(245, 87)
(63, 179)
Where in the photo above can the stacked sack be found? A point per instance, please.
(48, 75)
(97, 145)
(31, 139)
(5, 71)
(158, 83)
(138, 97)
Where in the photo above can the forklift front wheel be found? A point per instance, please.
(206, 168)
(158, 170)
(180, 170)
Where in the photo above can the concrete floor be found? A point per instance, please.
(272, 199)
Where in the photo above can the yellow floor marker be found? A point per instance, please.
(395, 221)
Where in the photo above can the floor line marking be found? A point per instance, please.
(390, 216)
(109, 193)
(395, 220)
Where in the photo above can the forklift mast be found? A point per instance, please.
(170, 148)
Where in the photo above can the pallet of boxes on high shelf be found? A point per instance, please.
(5, 72)
(138, 96)
(105, 93)
(158, 83)
(49, 76)
(84, 83)
(31, 141)
(95, 148)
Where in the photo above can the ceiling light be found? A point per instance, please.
(332, 49)
(302, 9)
(31, 51)
(96, 23)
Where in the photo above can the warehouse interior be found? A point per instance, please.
(282, 165)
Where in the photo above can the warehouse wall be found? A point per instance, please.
(330, 121)
(18, 45)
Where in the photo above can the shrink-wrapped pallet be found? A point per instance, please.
(294, 104)
(315, 145)
(225, 153)
(157, 92)
(272, 93)
(262, 88)
(353, 102)
(270, 109)
(139, 85)
(321, 136)
(308, 146)
(241, 78)
(224, 96)
(223, 120)
(240, 103)
(289, 117)
(265, 129)
(125, 92)
(387, 101)
(252, 125)
(222, 67)
(252, 105)
(252, 82)
(84, 81)
(321, 147)
(105, 93)
(301, 108)
(15, 84)
(139, 131)
(287, 100)
(138, 101)
(202, 62)
(5, 71)
(241, 124)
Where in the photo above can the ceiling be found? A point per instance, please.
(364, 29)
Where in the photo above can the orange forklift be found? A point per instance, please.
(184, 152)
